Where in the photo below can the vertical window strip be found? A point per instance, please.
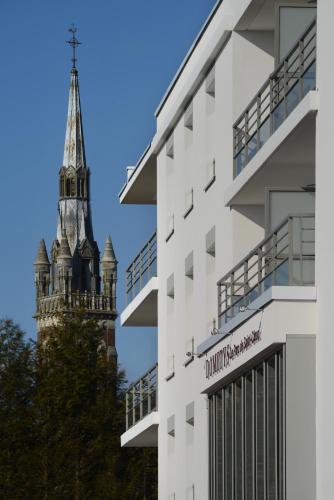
(247, 428)
(219, 444)
(282, 414)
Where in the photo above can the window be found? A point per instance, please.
(189, 265)
(170, 226)
(68, 187)
(170, 286)
(61, 186)
(73, 192)
(170, 367)
(188, 116)
(190, 413)
(210, 242)
(292, 22)
(246, 435)
(210, 87)
(170, 146)
(171, 425)
(189, 202)
(210, 174)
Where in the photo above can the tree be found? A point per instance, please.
(80, 402)
(17, 431)
(61, 417)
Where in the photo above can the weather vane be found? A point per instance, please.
(74, 42)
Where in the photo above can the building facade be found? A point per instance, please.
(237, 276)
(71, 278)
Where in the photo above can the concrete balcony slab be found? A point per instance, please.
(144, 433)
(143, 309)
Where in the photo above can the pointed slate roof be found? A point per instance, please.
(42, 255)
(109, 254)
(74, 150)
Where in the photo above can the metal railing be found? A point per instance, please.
(286, 257)
(90, 301)
(142, 397)
(280, 94)
(141, 269)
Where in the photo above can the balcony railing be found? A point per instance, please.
(142, 397)
(286, 257)
(284, 89)
(142, 268)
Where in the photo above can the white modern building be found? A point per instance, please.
(239, 275)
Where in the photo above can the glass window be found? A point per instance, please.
(219, 444)
(293, 21)
(249, 431)
(238, 439)
(247, 435)
(228, 442)
(259, 428)
(271, 430)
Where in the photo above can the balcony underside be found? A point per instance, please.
(144, 433)
(287, 159)
(141, 188)
(143, 309)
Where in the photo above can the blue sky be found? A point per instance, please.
(130, 51)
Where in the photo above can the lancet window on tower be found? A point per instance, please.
(73, 191)
(73, 184)
(62, 185)
(70, 186)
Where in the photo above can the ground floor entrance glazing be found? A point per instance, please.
(247, 434)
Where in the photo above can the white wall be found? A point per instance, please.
(183, 458)
(325, 252)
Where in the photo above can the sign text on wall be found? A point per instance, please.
(224, 357)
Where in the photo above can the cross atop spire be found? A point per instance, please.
(74, 42)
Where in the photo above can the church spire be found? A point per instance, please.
(74, 150)
(73, 207)
(73, 279)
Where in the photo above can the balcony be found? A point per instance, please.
(141, 411)
(277, 98)
(142, 287)
(284, 259)
(141, 185)
(274, 139)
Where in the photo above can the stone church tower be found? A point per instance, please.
(71, 277)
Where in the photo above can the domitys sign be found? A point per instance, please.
(223, 358)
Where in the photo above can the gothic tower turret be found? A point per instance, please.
(64, 266)
(42, 271)
(72, 280)
(109, 270)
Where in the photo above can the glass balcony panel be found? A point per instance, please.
(278, 115)
(240, 161)
(264, 132)
(267, 282)
(282, 274)
(141, 397)
(293, 97)
(278, 97)
(285, 257)
(309, 79)
(142, 269)
(252, 147)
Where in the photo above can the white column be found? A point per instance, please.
(325, 252)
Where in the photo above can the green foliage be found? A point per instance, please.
(16, 412)
(61, 417)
